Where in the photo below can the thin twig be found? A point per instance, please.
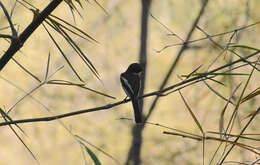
(204, 38)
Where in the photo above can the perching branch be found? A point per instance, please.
(108, 106)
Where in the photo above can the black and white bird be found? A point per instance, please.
(131, 83)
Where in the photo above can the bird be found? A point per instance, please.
(131, 83)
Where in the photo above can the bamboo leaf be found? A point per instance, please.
(192, 114)
(64, 82)
(251, 95)
(245, 47)
(82, 141)
(5, 117)
(47, 67)
(63, 54)
(221, 120)
(217, 74)
(91, 154)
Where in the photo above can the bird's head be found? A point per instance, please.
(135, 68)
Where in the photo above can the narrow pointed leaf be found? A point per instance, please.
(192, 114)
(245, 47)
(63, 54)
(251, 95)
(91, 154)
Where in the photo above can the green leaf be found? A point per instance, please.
(245, 47)
(93, 156)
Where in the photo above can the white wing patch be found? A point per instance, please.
(128, 85)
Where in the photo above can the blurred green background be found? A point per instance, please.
(118, 34)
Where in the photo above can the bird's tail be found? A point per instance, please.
(137, 112)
